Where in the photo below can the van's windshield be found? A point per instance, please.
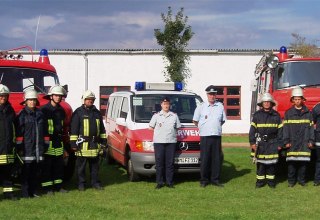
(19, 79)
(144, 106)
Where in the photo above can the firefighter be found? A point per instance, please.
(87, 137)
(32, 142)
(298, 136)
(7, 145)
(316, 121)
(53, 164)
(265, 140)
(164, 125)
(209, 118)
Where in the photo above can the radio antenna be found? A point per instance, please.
(35, 40)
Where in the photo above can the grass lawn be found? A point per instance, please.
(126, 200)
(235, 139)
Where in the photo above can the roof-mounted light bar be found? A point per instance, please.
(171, 86)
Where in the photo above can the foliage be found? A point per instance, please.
(174, 41)
(304, 48)
(126, 200)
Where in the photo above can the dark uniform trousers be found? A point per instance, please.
(298, 167)
(265, 173)
(164, 155)
(211, 159)
(5, 178)
(52, 172)
(30, 178)
(94, 169)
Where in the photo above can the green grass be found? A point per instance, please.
(235, 139)
(125, 200)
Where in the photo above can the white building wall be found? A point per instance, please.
(230, 69)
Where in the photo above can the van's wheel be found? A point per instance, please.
(132, 175)
(110, 159)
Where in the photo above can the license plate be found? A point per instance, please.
(186, 160)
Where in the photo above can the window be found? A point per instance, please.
(105, 92)
(125, 108)
(231, 98)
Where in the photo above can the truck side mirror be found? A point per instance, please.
(66, 87)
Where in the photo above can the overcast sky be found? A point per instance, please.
(129, 24)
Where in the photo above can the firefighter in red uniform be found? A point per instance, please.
(53, 164)
(32, 142)
(265, 140)
(298, 136)
(7, 145)
(87, 136)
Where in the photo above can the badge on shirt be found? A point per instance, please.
(160, 124)
(205, 117)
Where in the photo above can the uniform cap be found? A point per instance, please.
(266, 97)
(211, 89)
(165, 99)
(4, 90)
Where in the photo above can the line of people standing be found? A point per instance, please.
(35, 138)
(295, 135)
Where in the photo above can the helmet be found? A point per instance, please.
(4, 90)
(30, 94)
(297, 91)
(56, 90)
(88, 95)
(266, 97)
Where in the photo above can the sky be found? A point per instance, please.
(130, 24)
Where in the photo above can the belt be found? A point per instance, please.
(91, 139)
(268, 137)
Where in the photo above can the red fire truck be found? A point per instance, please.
(278, 73)
(19, 74)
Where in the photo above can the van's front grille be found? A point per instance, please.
(188, 146)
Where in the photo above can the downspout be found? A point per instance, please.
(85, 56)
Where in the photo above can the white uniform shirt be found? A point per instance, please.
(165, 127)
(210, 118)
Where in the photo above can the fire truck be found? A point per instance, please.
(277, 73)
(19, 75)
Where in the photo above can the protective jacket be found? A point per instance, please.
(299, 132)
(32, 135)
(316, 121)
(87, 131)
(7, 139)
(266, 132)
(55, 116)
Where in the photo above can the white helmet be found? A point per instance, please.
(57, 90)
(266, 97)
(88, 95)
(297, 91)
(4, 90)
(30, 94)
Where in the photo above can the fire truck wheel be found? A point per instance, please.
(132, 175)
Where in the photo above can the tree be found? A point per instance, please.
(304, 48)
(174, 41)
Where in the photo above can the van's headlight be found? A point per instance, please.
(145, 146)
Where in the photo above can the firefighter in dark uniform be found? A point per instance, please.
(316, 121)
(265, 137)
(298, 136)
(209, 118)
(32, 142)
(7, 144)
(87, 138)
(164, 124)
(53, 164)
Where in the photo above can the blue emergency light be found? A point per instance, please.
(139, 86)
(178, 86)
(43, 52)
(283, 49)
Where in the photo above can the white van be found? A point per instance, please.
(127, 125)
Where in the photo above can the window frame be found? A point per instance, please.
(225, 98)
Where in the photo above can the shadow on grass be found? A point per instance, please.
(229, 172)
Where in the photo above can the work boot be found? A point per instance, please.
(10, 196)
